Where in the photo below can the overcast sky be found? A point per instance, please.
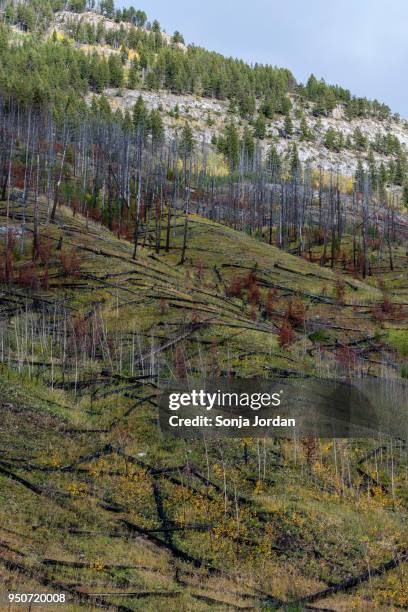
(359, 44)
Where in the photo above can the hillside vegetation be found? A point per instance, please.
(95, 501)
(168, 213)
(121, 49)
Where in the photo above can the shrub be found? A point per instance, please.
(270, 301)
(386, 305)
(249, 280)
(286, 335)
(28, 276)
(253, 313)
(310, 448)
(180, 362)
(346, 357)
(378, 314)
(319, 335)
(340, 290)
(398, 340)
(254, 294)
(163, 306)
(44, 280)
(70, 263)
(295, 312)
(387, 309)
(7, 264)
(235, 289)
(200, 269)
(45, 250)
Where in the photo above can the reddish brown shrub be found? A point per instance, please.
(253, 313)
(28, 276)
(286, 335)
(235, 289)
(388, 310)
(180, 362)
(127, 232)
(378, 314)
(254, 294)
(249, 280)
(310, 448)
(296, 312)
(386, 305)
(95, 214)
(340, 290)
(45, 250)
(79, 336)
(70, 263)
(163, 306)
(270, 301)
(319, 236)
(44, 280)
(7, 264)
(381, 285)
(200, 269)
(346, 357)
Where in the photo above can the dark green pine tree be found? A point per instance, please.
(140, 116)
(359, 177)
(330, 139)
(260, 127)
(187, 140)
(156, 127)
(405, 196)
(177, 37)
(248, 144)
(134, 75)
(288, 126)
(295, 166)
(274, 162)
(304, 130)
(116, 74)
(107, 8)
(231, 145)
(400, 170)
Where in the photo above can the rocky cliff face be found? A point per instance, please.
(207, 117)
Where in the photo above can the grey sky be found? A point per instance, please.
(359, 44)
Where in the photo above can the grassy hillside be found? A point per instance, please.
(94, 502)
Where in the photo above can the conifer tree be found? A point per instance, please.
(288, 126)
(140, 115)
(260, 128)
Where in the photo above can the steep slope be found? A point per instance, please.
(97, 505)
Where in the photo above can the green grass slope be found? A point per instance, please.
(95, 503)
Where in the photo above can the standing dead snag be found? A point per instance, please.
(9, 257)
(185, 232)
(58, 182)
(36, 235)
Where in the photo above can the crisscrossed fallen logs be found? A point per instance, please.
(77, 595)
(355, 581)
